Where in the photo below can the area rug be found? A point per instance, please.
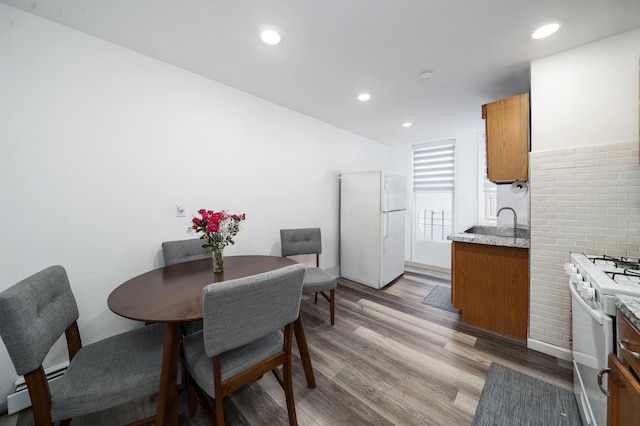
(440, 297)
(513, 398)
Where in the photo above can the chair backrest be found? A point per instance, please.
(300, 241)
(239, 311)
(34, 313)
(184, 250)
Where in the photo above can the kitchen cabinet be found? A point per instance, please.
(507, 138)
(490, 285)
(623, 382)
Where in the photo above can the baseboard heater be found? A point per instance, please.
(19, 400)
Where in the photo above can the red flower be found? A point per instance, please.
(217, 228)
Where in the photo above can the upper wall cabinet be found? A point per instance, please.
(507, 135)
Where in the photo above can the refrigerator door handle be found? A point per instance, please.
(385, 232)
(385, 198)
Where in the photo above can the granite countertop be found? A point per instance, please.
(491, 240)
(630, 308)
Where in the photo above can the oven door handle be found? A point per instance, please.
(601, 381)
(592, 312)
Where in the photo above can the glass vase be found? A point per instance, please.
(218, 262)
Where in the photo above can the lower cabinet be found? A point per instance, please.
(490, 285)
(623, 383)
(624, 395)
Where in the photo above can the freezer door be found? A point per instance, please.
(394, 193)
(392, 255)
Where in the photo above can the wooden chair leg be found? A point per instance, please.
(288, 380)
(39, 392)
(332, 304)
(217, 384)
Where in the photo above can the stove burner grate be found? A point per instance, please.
(625, 277)
(619, 262)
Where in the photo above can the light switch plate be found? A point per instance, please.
(180, 209)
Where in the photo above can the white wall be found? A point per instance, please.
(506, 196)
(467, 174)
(97, 143)
(586, 96)
(585, 177)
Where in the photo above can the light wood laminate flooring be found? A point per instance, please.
(388, 360)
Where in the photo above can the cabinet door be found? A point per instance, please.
(628, 343)
(490, 284)
(507, 136)
(624, 398)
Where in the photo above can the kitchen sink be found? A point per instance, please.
(498, 231)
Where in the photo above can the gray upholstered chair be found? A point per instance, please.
(35, 312)
(316, 280)
(183, 251)
(248, 330)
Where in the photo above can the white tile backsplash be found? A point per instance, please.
(584, 199)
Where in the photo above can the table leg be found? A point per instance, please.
(301, 339)
(167, 411)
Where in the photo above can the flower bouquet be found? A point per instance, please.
(218, 230)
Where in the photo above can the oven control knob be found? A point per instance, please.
(575, 278)
(582, 284)
(570, 268)
(588, 294)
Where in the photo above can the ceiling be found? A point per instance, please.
(332, 50)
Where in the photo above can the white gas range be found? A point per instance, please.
(594, 281)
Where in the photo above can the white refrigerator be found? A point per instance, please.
(372, 227)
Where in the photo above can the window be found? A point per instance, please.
(433, 188)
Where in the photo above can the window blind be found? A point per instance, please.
(434, 166)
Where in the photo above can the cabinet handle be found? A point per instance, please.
(624, 347)
(600, 376)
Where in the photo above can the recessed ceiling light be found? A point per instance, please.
(270, 34)
(270, 37)
(545, 30)
(425, 75)
(364, 96)
(407, 124)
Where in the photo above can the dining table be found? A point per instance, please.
(173, 295)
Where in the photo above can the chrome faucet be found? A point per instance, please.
(515, 216)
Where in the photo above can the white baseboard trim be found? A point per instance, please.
(546, 348)
(411, 268)
(334, 270)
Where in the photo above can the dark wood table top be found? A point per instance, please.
(174, 293)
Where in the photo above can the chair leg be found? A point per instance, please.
(316, 300)
(217, 385)
(39, 392)
(332, 304)
(288, 380)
